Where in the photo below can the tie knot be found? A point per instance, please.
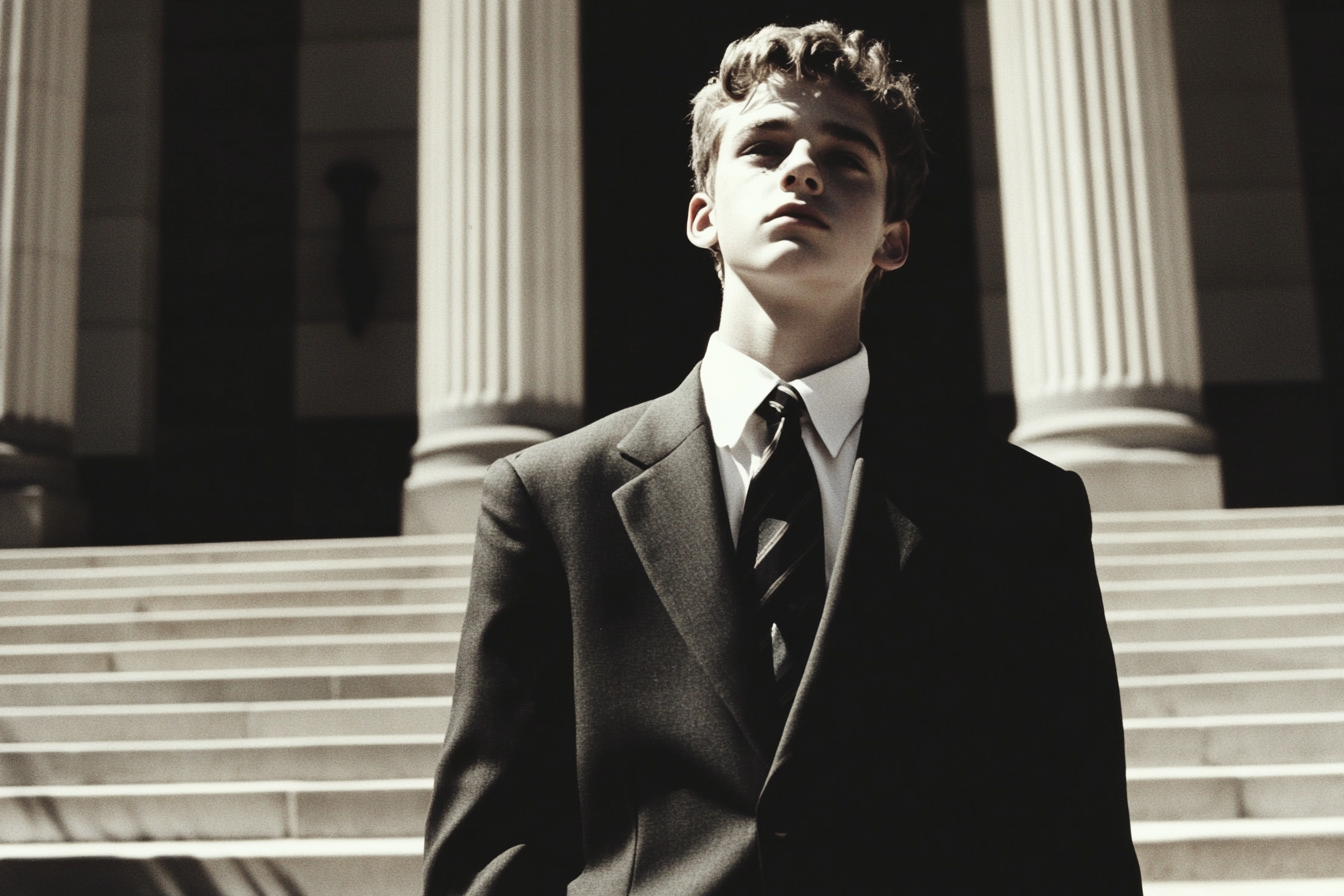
(783, 403)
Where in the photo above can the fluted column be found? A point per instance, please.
(42, 63)
(500, 251)
(1101, 298)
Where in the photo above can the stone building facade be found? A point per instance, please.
(320, 260)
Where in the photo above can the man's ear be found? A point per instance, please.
(895, 247)
(700, 229)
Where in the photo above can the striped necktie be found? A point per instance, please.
(780, 548)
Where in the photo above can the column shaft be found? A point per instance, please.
(1101, 298)
(500, 253)
(42, 66)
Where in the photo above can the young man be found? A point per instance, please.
(769, 634)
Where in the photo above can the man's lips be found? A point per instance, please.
(800, 212)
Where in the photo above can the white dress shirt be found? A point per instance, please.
(734, 387)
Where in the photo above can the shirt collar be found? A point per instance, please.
(735, 385)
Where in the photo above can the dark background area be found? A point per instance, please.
(233, 462)
(644, 278)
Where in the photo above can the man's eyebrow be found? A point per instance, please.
(850, 134)
(837, 129)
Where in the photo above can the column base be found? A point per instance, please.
(443, 493)
(1139, 478)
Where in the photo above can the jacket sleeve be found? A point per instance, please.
(504, 818)
(1096, 852)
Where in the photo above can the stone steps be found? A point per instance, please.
(1241, 848)
(272, 866)
(1272, 739)
(314, 758)
(168, 597)
(257, 622)
(270, 718)
(279, 707)
(1228, 655)
(254, 572)
(1183, 624)
(1228, 693)
(237, 552)
(1200, 792)
(1227, 631)
(379, 648)
(227, 685)
(215, 810)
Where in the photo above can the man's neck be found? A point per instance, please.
(791, 338)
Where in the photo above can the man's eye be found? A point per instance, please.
(849, 160)
(762, 149)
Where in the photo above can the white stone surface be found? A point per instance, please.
(42, 60)
(501, 276)
(1100, 277)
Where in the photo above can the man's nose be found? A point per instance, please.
(799, 172)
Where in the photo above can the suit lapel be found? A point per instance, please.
(674, 514)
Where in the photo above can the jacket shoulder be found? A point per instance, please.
(586, 451)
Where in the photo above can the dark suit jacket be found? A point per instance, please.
(957, 729)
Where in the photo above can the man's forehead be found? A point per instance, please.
(779, 101)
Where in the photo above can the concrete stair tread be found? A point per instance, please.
(1282, 770)
(1230, 658)
(401, 715)
(227, 573)
(173, 788)
(1237, 828)
(1108, 562)
(246, 622)
(1283, 887)
(1220, 583)
(1220, 518)
(228, 685)
(1229, 720)
(228, 743)
(1235, 611)
(230, 551)
(261, 848)
(1230, 693)
(146, 596)
(166, 644)
(400, 648)
(313, 757)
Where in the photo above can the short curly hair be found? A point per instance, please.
(817, 52)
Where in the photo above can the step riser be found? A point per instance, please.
(1190, 799)
(1222, 596)
(39, 605)
(307, 722)
(1137, 569)
(344, 875)
(1272, 518)
(230, 628)
(196, 816)
(1201, 661)
(1235, 745)
(227, 690)
(262, 552)
(323, 763)
(1305, 626)
(236, 658)
(1243, 859)
(1232, 698)
(212, 576)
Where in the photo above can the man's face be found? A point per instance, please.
(799, 192)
